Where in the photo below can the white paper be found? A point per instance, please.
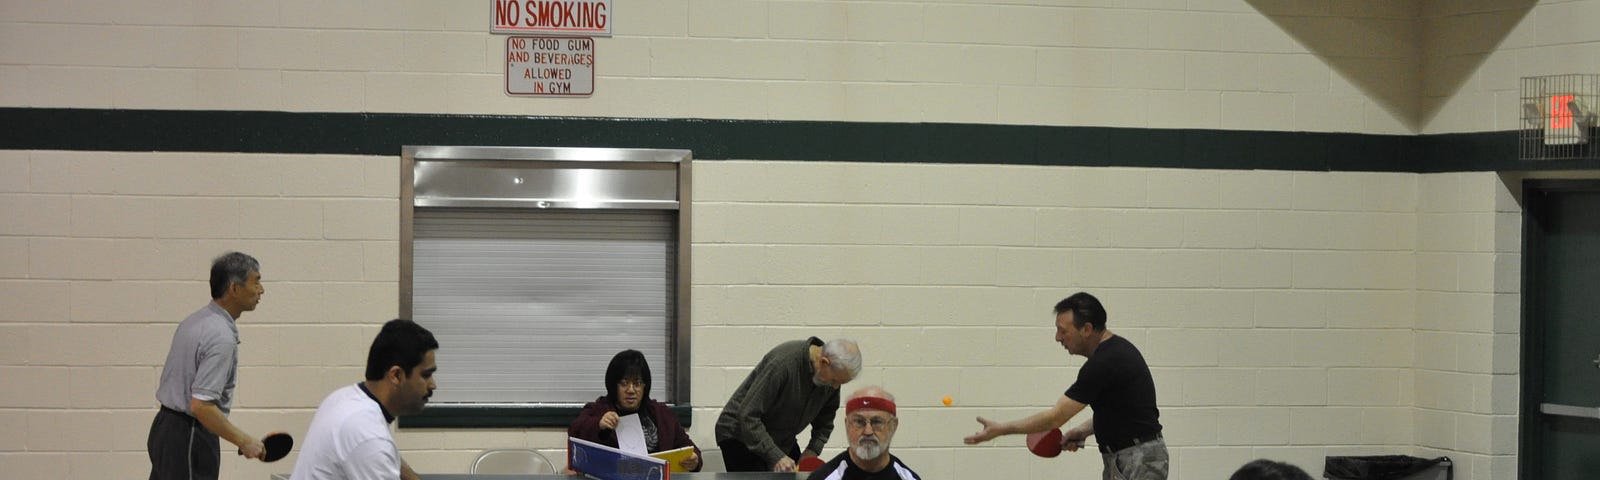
(630, 435)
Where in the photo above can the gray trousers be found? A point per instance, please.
(182, 449)
(1145, 461)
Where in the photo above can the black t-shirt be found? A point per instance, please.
(843, 468)
(1116, 383)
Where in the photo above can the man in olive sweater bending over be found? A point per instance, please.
(795, 385)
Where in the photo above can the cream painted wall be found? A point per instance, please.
(1160, 64)
(1367, 66)
(104, 253)
(1290, 315)
(1467, 353)
(1287, 314)
(1274, 307)
(1477, 51)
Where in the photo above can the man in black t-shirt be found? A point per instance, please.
(870, 421)
(1115, 382)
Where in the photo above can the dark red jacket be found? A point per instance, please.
(670, 434)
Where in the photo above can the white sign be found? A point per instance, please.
(560, 17)
(553, 66)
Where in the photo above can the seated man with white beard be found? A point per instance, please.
(870, 422)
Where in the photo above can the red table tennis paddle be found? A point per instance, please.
(810, 464)
(277, 446)
(1046, 444)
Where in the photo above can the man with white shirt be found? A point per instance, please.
(349, 437)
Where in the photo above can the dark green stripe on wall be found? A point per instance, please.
(385, 133)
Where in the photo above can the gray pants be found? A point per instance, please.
(1145, 461)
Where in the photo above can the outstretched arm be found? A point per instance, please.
(1054, 417)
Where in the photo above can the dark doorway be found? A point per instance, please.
(1561, 330)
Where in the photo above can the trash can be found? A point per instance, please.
(1387, 467)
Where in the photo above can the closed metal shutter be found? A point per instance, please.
(529, 306)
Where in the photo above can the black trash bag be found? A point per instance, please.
(1378, 467)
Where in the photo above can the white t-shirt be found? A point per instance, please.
(349, 439)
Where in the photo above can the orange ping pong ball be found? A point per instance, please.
(947, 400)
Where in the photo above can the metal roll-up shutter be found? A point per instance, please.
(530, 305)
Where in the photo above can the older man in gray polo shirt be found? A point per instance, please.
(196, 391)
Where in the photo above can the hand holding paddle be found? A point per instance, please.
(274, 447)
(1074, 440)
(252, 449)
(784, 464)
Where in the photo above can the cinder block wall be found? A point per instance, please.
(106, 252)
(1474, 54)
(1468, 308)
(1173, 64)
(1228, 280)
(1275, 308)
(1288, 315)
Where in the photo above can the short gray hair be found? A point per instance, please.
(229, 269)
(843, 354)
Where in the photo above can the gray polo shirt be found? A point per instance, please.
(203, 361)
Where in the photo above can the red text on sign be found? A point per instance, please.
(551, 15)
(1560, 111)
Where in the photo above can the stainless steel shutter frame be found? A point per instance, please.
(545, 184)
(530, 305)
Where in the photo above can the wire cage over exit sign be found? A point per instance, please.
(1559, 116)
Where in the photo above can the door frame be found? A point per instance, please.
(1534, 203)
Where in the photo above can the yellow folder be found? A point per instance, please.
(674, 456)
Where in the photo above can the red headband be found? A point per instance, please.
(875, 403)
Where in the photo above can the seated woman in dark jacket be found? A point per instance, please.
(628, 392)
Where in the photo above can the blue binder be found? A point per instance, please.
(600, 462)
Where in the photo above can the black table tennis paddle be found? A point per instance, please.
(277, 446)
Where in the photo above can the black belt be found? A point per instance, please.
(171, 411)
(1114, 447)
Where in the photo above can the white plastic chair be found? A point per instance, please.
(512, 461)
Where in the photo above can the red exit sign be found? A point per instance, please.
(1561, 111)
(569, 17)
(1565, 122)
